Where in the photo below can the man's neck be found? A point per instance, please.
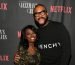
(45, 24)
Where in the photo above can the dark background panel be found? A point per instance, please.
(15, 18)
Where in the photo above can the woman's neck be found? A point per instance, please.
(31, 49)
(31, 45)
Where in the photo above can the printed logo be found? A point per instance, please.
(49, 45)
(3, 35)
(4, 58)
(27, 5)
(64, 9)
(3, 6)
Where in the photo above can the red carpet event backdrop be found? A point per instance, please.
(15, 14)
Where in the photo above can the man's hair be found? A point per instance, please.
(39, 5)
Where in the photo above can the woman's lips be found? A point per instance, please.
(32, 38)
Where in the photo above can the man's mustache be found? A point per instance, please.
(41, 18)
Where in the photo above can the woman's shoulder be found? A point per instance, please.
(22, 49)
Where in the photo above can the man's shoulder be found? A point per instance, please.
(55, 22)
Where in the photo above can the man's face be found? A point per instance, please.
(40, 15)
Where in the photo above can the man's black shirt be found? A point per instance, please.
(54, 44)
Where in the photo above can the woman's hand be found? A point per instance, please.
(16, 58)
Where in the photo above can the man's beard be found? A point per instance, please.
(41, 25)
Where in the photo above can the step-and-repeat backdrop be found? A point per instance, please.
(15, 14)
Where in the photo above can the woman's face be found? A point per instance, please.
(30, 36)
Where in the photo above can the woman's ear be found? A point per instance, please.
(47, 14)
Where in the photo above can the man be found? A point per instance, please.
(54, 40)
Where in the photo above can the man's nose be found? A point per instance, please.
(40, 15)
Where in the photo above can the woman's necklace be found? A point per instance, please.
(31, 51)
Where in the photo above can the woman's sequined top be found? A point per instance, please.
(27, 59)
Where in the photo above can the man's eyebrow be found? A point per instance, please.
(40, 11)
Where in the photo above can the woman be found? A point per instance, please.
(27, 50)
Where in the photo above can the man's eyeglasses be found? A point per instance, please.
(40, 13)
